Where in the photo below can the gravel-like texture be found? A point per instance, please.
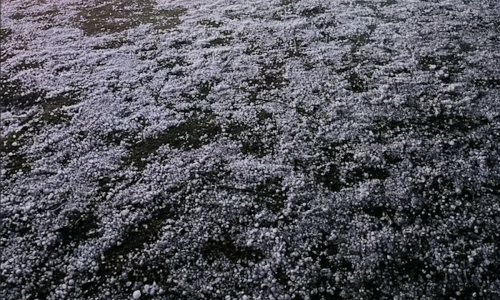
(234, 149)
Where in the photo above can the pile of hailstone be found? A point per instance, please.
(276, 149)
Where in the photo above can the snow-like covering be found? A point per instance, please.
(232, 149)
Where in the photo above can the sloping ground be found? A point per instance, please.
(250, 150)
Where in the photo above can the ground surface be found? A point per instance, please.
(250, 149)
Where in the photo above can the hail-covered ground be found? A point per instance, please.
(234, 149)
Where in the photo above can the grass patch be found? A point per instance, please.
(25, 65)
(113, 44)
(445, 123)
(270, 193)
(311, 12)
(81, 226)
(17, 16)
(254, 141)
(256, 144)
(147, 52)
(16, 162)
(489, 83)
(56, 117)
(5, 34)
(337, 169)
(392, 158)
(14, 95)
(224, 40)
(330, 177)
(357, 83)
(137, 236)
(336, 177)
(357, 40)
(452, 64)
(179, 44)
(288, 2)
(53, 108)
(263, 115)
(271, 76)
(203, 90)
(170, 62)
(324, 253)
(436, 196)
(120, 15)
(117, 259)
(116, 136)
(215, 249)
(210, 23)
(191, 134)
(253, 49)
(235, 129)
